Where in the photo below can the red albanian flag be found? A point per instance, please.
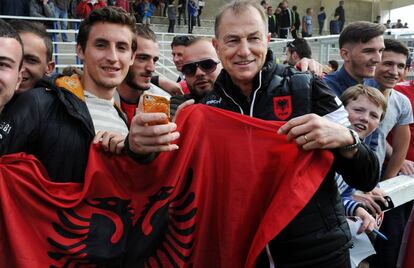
(233, 185)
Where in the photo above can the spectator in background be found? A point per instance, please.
(42, 8)
(399, 24)
(286, 19)
(123, 4)
(340, 15)
(172, 15)
(11, 58)
(405, 25)
(296, 24)
(296, 50)
(264, 4)
(333, 64)
(136, 7)
(182, 6)
(85, 7)
(61, 12)
(147, 9)
(200, 6)
(14, 7)
(72, 9)
(321, 19)
(388, 24)
(307, 27)
(38, 53)
(178, 46)
(378, 19)
(192, 15)
(272, 22)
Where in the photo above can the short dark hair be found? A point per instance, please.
(300, 46)
(294, 8)
(146, 33)
(238, 6)
(396, 46)
(38, 29)
(181, 40)
(360, 32)
(7, 31)
(334, 64)
(110, 14)
(322, 8)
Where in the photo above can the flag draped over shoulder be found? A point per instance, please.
(233, 185)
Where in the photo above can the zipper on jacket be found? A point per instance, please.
(228, 96)
(254, 94)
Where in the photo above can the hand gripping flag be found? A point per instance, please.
(233, 185)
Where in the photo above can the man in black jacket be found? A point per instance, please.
(252, 84)
(57, 121)
(340, 15)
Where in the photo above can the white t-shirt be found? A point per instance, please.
(104, 115)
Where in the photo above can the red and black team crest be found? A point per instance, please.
(282, 107)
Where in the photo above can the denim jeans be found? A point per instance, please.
(62, 14)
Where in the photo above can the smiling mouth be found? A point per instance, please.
(391, 79)
(245, 62)
(110, 69)
(360, 127)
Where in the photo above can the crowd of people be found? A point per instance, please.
(143, 10)
(286, 22)
(50, 115)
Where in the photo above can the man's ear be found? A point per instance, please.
(19, 80)
(133, 58)
(269, 35)
(79, 51)
(215, 44)
(50, 68)
(345, 54)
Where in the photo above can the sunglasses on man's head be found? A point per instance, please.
(207, 66)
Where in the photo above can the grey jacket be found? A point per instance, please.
(37, 9)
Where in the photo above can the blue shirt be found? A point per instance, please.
(340, 81)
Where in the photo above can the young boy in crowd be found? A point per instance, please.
(366, 107)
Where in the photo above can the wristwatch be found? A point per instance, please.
(350, 147)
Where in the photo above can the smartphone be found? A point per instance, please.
(156, 104)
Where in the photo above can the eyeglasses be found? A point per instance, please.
(207, 66)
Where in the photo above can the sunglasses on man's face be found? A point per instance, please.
(207, 66)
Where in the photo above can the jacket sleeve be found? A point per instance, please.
(324, 101)
(19, 125)
(35, 9)
(50, 10)
(361, 171)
